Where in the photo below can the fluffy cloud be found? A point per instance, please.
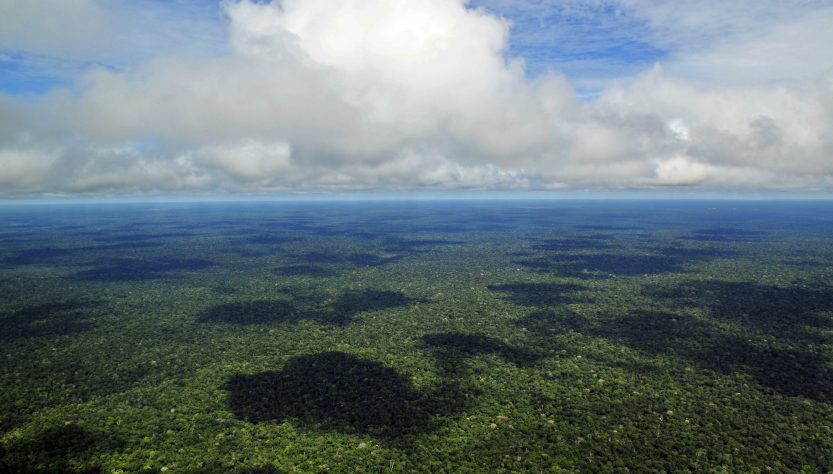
(60, 27)
(24, 167)
(742, 41)
(396, 94)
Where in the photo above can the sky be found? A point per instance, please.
(103, 98)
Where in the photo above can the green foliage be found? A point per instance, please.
(510, 337)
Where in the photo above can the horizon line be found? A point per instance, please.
(633, 195)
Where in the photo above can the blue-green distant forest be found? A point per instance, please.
(460, 336)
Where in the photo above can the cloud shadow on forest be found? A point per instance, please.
(773, 334)
(336, 391)
(46, 319)
(58, 450)
(341, 311)
(138, 269)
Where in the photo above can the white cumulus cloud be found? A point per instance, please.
(395, 94)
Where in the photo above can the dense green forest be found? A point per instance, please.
(522, 336)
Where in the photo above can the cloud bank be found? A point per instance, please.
(331, 95)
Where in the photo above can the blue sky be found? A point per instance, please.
(245, 97)
(592, 45)
(23, 73)
(137, 31)
(592, 42)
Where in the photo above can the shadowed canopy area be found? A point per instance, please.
(593, 242)
(628, 265)
(137, 269)
(65, 449)
(410, 246)
(139, 237)
(257, 244)
(340, 311)
(683, 254)
(451, 349)
(452, 359)
(602, 265)
(125, 246)
(256, 312)
(724, 234)
(371, 260)
(797, 313)
(791, 369)
(54, 255)
(354, 302)
(270, 239)
(313, 271)
(48, 319)
(608, 227)
(537, 294)
(778, 344)
(339, 391)
(357, 259)
(664, 258)
(38, 255)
